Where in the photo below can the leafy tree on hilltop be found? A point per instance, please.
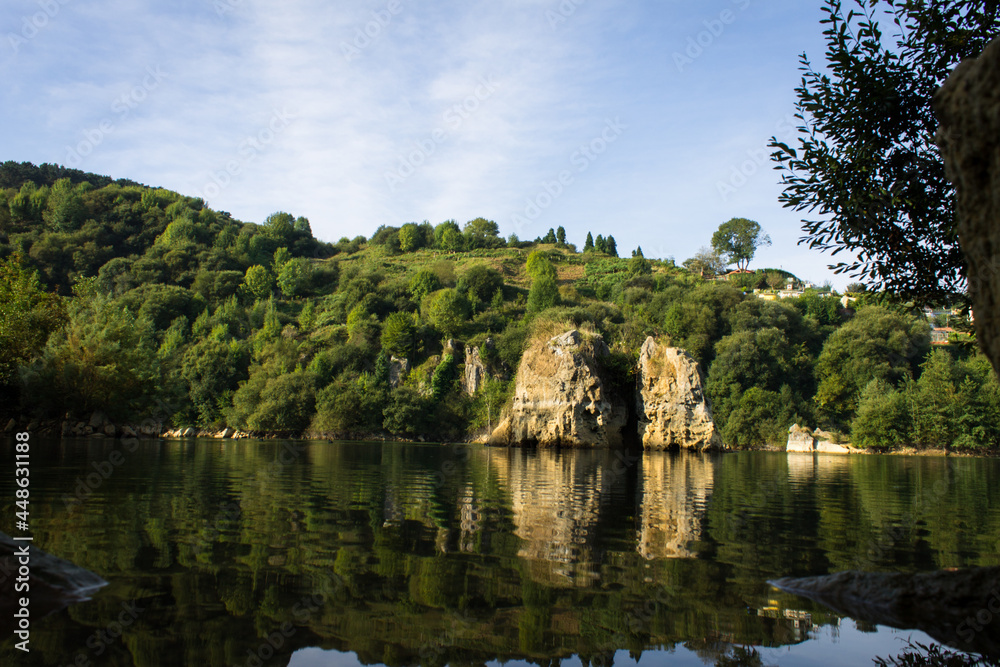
(737, 240)
(706, 263)
(482, 233)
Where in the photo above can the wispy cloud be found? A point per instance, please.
(370, 84)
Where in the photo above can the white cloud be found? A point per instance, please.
(555, 82)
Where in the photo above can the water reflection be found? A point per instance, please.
(555, 501)
(410, 554)
(674, 494)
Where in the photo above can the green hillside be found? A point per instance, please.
(138, 301)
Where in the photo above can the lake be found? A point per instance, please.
(314, 553)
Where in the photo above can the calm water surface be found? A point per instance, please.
(307, 554)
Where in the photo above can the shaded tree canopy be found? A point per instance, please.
(866, 167)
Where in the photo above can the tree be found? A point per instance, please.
(481, 282)
(28, 315)
(453, 240)
(424, 282)
(295, 276)
(440, 230)
(538, 264)
(761, 358)
(856, 288)
(281, 255)
(482, 233)
(544, 293)
(399, 334)
(866, 159)
(706, 263)
(935, 404)
(104, 359)
(883, 419)
(550, 237)
(878, 344)
(65, 209)
(280, 226)
(283, 404)
(561, 235)
(611, 246)
(411, 237)
(449, 311)
(588, 245)
(258, 282)
(639, 265)
(737, 240)
(599, 244)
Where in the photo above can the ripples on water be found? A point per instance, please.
(427, 554)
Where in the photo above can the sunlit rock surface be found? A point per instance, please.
(561, 399)
(673, 411)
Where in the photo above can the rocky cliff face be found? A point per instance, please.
(673, 411)
(560, 399)
(968, 107)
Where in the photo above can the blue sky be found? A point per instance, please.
(626, 118)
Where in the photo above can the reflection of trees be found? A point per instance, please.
(423, 562)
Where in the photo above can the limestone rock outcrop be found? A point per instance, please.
(801, 439)
(560, 398)
(398, 370)
(968, 108)
(673, 410)
(475, 371)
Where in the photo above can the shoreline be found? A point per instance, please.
(109, 431)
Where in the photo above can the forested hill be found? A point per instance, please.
(15, 174)
(137, 301)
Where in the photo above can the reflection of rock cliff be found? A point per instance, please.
(555, 502)
(674, 492)
(673, 411)
(560, 398)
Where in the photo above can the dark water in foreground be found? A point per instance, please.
(236, 553)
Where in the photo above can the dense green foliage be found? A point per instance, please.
(129, 295)
(866, 161)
